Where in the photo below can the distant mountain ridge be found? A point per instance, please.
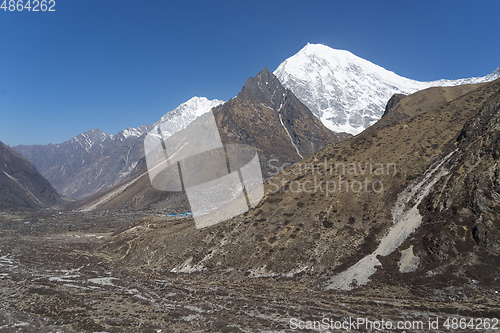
(94, 160)
(348, 93)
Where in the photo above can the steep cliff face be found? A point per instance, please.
(393, 101)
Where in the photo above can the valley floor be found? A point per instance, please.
(56, 276)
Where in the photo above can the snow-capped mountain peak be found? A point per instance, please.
(346, 92)
(472, 80)
(318, 56)
(195, 106)
(185, 114)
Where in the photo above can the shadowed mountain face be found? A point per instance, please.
(415, 199)
(21, 185)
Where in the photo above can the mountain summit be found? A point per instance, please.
(348, 93)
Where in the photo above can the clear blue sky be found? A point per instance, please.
(115, 64)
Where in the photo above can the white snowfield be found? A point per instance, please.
(348, 93)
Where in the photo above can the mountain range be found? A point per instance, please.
(345, 92)
(400, 221)
(94, 160)
(270, 118)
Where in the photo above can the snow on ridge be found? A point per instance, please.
(134, 132)
(346, 92)
(88, 139)
(195, 106)
(185, 114)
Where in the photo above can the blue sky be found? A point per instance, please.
(115, 64)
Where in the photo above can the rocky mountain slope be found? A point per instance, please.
(270, 118)
(415, 198)
(399, 107)
(348, 93)
(94, 160)
(21, 185)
